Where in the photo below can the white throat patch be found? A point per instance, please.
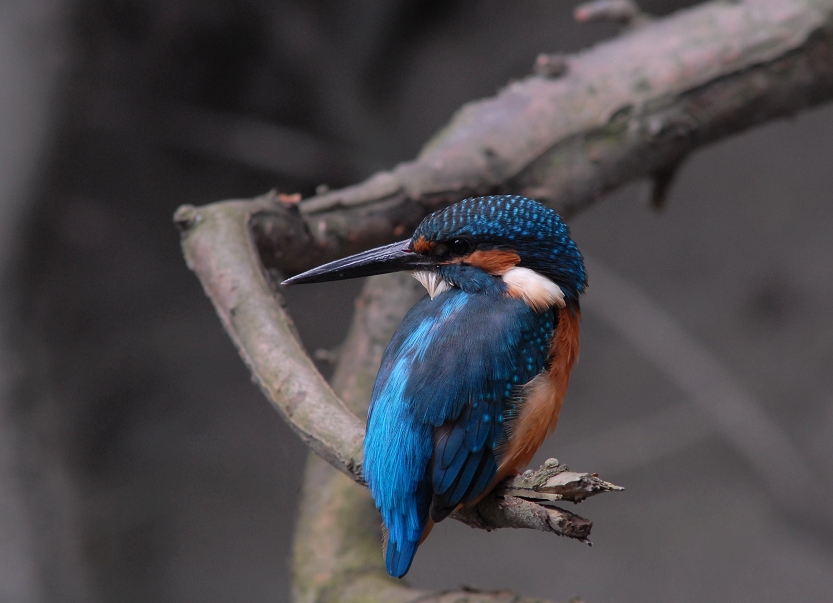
(536, 290)
(432, 281)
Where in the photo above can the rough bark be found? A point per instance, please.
(633, 107)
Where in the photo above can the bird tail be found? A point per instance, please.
(399, 556)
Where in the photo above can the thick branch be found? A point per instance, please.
(629, 108)
(218, 247)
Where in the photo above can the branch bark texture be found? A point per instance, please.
(632, 107)
(218, 247)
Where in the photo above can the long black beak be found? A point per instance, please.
(390, 258)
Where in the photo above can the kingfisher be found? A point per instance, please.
(473, 379)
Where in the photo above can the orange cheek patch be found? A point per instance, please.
(493, 261)
(421, 245)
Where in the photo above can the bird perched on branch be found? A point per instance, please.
(473, 380)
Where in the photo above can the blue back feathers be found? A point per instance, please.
(535, 232)
(439, 405)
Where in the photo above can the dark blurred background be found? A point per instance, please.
(139, 463)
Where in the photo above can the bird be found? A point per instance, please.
(474, 377)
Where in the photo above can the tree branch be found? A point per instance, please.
(218, 247)
(523, 502)
(633, 107)
(629, 108)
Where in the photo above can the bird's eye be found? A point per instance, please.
(460, 246)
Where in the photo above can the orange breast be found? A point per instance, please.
(543, 398)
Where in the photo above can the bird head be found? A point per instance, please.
(473, 242)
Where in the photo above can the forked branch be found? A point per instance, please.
(219, 248)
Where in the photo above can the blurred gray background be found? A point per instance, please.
(139, 463)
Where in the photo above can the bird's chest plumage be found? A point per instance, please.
(451, 381)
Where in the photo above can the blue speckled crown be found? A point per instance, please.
(535, 232)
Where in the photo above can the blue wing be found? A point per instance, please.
(447, 382)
